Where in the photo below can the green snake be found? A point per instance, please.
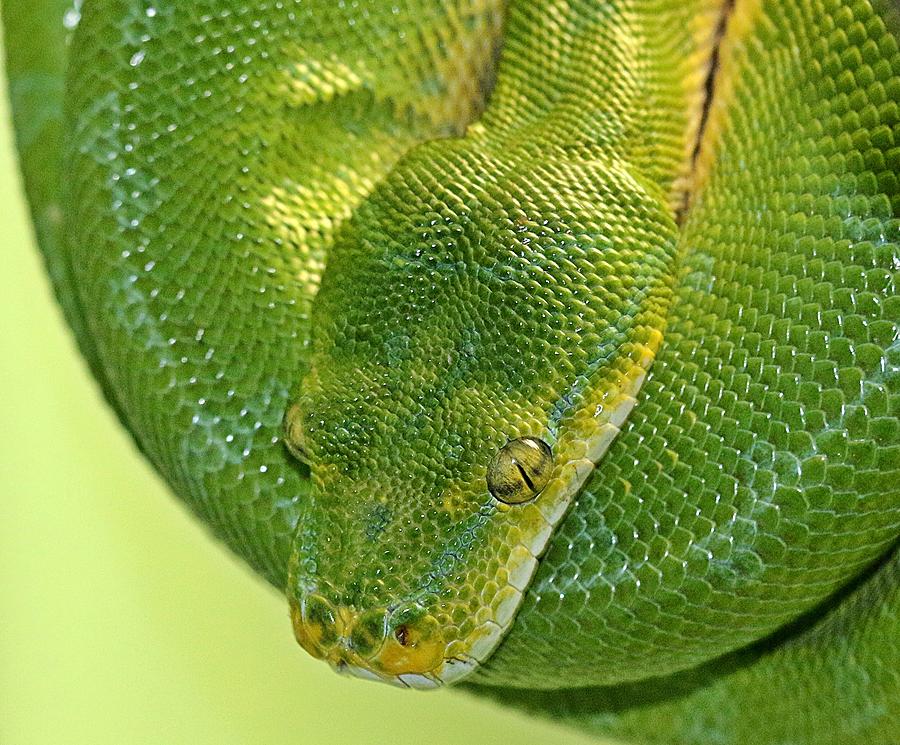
(550, 346)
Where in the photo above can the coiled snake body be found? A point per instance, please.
(552, 345)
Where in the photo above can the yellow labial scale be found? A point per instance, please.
(521, 566)
(504, 605)
(483, 640)
(397, 659)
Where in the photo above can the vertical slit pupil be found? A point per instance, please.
(528, 482)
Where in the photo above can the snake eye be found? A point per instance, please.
(292, 428)
(520, 470)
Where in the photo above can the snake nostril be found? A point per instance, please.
(414, 645)
(401, 634)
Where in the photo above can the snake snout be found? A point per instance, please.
(404, 644)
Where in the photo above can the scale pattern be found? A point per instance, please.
(831, 684)
(759, 470)
(196, 220)
(739, 539)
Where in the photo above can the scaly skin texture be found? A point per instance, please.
(523, 223)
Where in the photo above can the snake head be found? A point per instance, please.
(477, 344)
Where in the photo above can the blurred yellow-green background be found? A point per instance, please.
(121, 621)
